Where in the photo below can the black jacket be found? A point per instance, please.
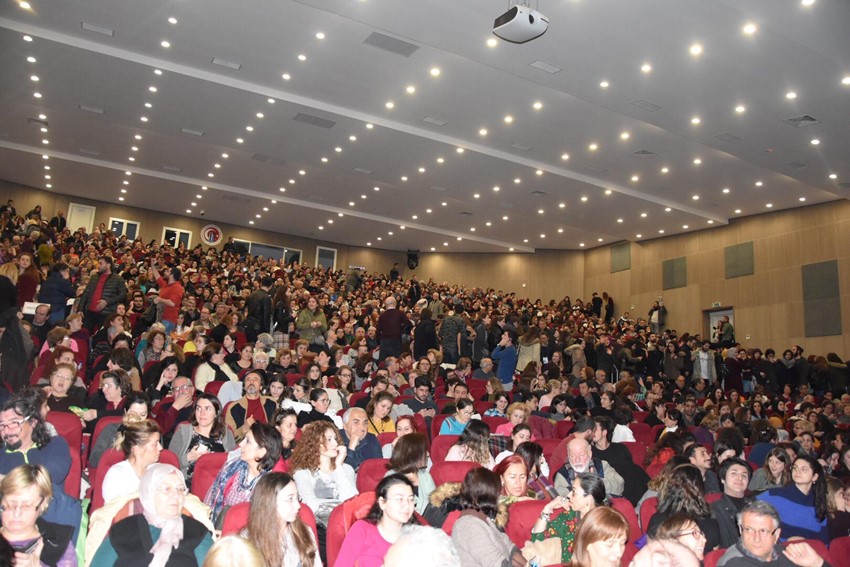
(259, 306)
(114, 292)
(56, 291)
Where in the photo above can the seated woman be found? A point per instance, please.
(520, 434)
(137, 408)
(535, 462)
(205, 433)
(601, 539)
(235, 482)
(26, 492)
(286, 423)
(500, 405)
(802, 504)
(553, 388)
(838, 517)
(378, 413)
(404, 425)
(513, 473)
(158, 378)
(479, 541)
(320, 402)
(275, 388)
(473, 445)
(244, 361)
(588, 492)
(684, 491)
(63, 394)
(285, 363)
(492, 389)
(161, 535)
(410, 458)
(275, 527)
(212, 367)
(318, 466)
(683, 528)
(775, 472)
(140, 443)
(369, 539)
(517, 413)
(109, 400)
(457, 423)
(152, 352)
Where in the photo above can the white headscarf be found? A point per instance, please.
(172, 528)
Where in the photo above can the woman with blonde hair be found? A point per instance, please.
(232, 550)
(517, 413)
(601, 539)
(140, 441)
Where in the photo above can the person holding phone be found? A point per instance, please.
(24, 495)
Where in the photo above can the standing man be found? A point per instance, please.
(505, 354)
(170, 295)
(58, 222)
(259, 306)
(392, 324)
(102, 295)
(657, 315)
(394, 273)
(451, 333)
(727, 333)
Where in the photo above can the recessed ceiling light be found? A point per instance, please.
(324, 160)
(759, 183)
(807, 2)
(790, 95)
(286, 76)
(562, 205)
(646, 67)
(710, 221)
(45, 142)
(750, 28)
(685, 226)
(352, 138)
(240, 140)
(625, 136)
(459, 150)
(45, 156)
(593, 147)
(210, 174)
(31, 59)
(815, 142)
(47, 177)
(433, 249)
(537, 105)
(525, 240)
(217, 165)
(428, 211)
(250, 222)
(506, 217)
(661, 231)
(435, 71)
(737, 211)
(472, 229)
(172, 20)
(404, 178)
(321, 227)
(695, 120)
(482, 132)
(410, 89)
(34, 78)
(846, 80)
(144, 118)
(131, 158)
(833, 176)
(635, 178)
(123, 190)
(128, 173)
(608, 191)
(476, 196)
(27, 38)
(584, 199)
(488, 223)
(198, 196)
(148, 105)
(643, 215)
(44, 130)
(165, 44)
(444, 204)
(260, 115)
(25, 5)
(249, 128)
(599, 239)
(47, 167)
(667, 209)
(604, 84)
(492, 42)
(157, 72)
(138, 136)
(540, 211)
(769, 205)
(376, 188)
(390, 104)
(581, 244)
(414, 217)
(302, 57)
(135, 148)
(695, 197)
(364, 197)
(369, 126)
(802, 199)
(696, 49)
(270, 100)
(320, 35)
(517, 180)
(740, 109)
(302, 172)
(36, 95)
(726, 190)
(508, 119)
(337, 149)
(665, 169)
(421, 170)
(697, 161)
(539, 172)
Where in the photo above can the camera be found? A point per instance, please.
(203, 213)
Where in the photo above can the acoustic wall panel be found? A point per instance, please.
(739, 260)
(675, 273)
(821, 299)
(621, 257)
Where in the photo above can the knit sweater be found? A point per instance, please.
(479, 542)
(797, 513)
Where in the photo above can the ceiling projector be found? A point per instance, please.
(520, 24)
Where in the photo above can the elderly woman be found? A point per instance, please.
(205, 433)
(25, 494)
(62, 394)
(517, 413)
(160, 535)
(141, 444)
(110, 400)
(513, 473)
(259, 452)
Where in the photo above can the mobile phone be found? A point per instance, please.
(29, 548)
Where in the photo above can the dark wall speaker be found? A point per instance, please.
(412, 259)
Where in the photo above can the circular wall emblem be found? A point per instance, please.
(211, 235)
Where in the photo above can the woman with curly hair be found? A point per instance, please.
(318, 466)
(473, 445)
(684, 492)
(275, 527)
(802, 504)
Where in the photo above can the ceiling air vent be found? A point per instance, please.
(267, 159)
(465, 214)
(642, 154)
(391, 44)
(728, 138)
(522, 147)
(93, 109)
(646, 105)
(37, 122)
(801, 121)
(797, 165)
(225, 63)
(192, 132)
(434, 121)
(172, 168)
(103, 30)
(363, 170)
(543, 66)
(235, 198)
(314, 120)
(595, 170)
(87, 151)
(440, 189)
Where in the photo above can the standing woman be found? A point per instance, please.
(424, 336)
(29, 278)
(369, 539)
(311, 324)
(275, 527)
(205, 433)
(802, 505)
(8, 286)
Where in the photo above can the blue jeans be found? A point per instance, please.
(169, 327)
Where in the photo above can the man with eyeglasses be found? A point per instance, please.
(26, 440)
(758, 522)
(176, 408)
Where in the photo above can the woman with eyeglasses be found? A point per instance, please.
(457, 423)
(161, 535)
(320, 402)
(802, 505)
(369, 539)
(205, 433)
(25, 494)
(588, 492)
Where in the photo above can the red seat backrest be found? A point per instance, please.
(713, 497)
(235, 519)
(549, 446)
(370, 473)
(206, 469)
(628, 511)
(449, 523)
(638, 452)
(70, 428)
(821, 549)
(440, 446)
(628, 554)
(101, 424)
(94, 386)
(647, 511)
(493, 421)
(386, 438)
(341, 519)
(642, 433)
(563, 428)
(436, 423)
(712, 557)
(522, 517)
(840, 547)
(451, 471)
(481, 407)
(214, 387)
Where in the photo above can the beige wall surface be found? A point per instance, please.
(768, 304)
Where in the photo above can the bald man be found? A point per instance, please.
(580, 460)
(392, 324)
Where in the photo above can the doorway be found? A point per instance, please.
(712, 316)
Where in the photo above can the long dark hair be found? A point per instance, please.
(818, 486)
(217, 429)
(375, 513)
(480, 491)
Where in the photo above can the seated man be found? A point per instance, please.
(361, 444)
(177, 409)
(757, 546)
(618, 456)
(735, 476)
(580, 460)
(250, 408)
(485, 370)
(701, 458)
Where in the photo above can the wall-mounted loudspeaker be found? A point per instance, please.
(412, 259)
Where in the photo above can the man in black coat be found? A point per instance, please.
(618, 456)
(102, 295)
(259, 305)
